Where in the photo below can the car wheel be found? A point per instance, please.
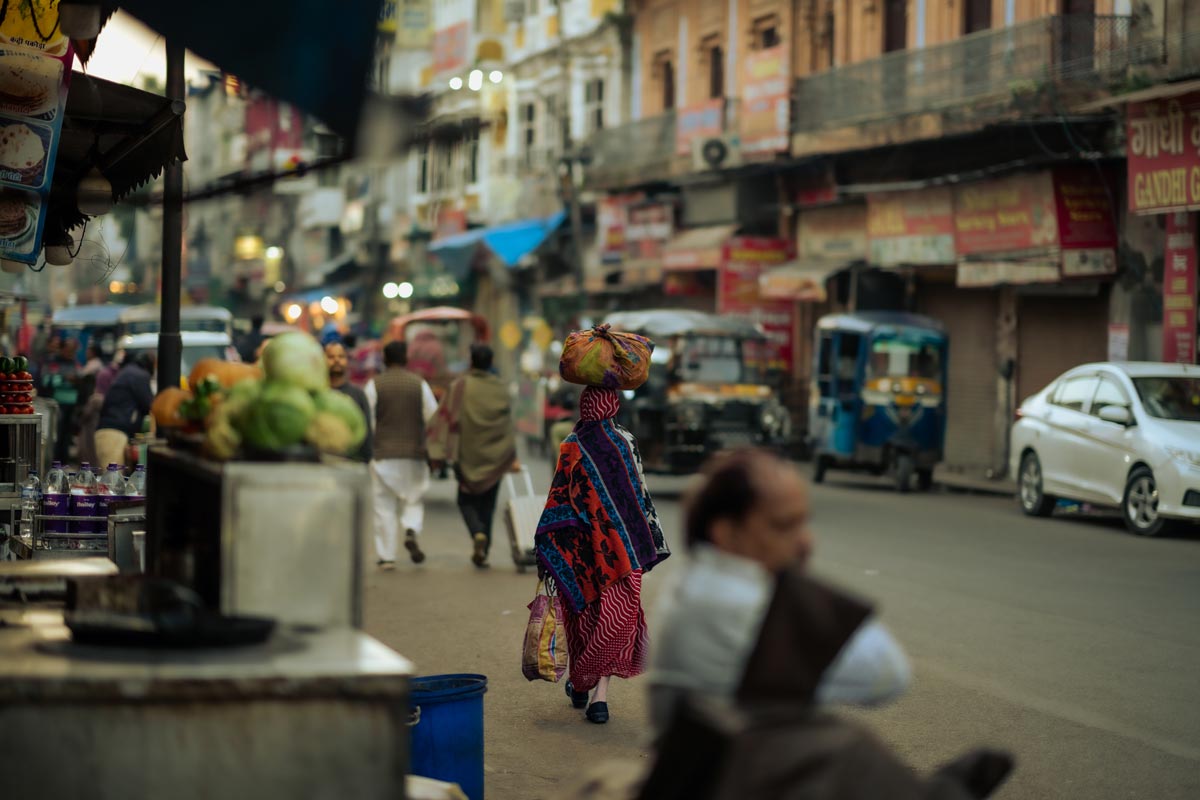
(1034, 502)
(905, 466)
(820, 465)
(1140, 505)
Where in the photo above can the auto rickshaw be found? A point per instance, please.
(439, 343)
(878, 398)
(707, 389)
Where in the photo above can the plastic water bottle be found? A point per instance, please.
(31, 501)
(111, 487)
(83, 504)
(56, 498)
(137, 482)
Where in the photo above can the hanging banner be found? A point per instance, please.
(746, 259)
(450, 46)
(413, 23)
(612, 222)
(649, 228)
(911, 228)
(35, 60)
(1179, 290)
(1163, 155)
(764, 121)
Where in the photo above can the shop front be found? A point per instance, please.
(1163, 161)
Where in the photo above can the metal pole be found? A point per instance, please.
(568, 178)
(170, 343)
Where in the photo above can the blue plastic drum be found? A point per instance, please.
(447, 733)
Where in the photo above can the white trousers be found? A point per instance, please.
(399, 486)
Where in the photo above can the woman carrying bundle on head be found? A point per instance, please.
(599, 532)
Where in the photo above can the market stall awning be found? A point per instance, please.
(348, 290)
(315, 55)
(131, 135)
(697, 248)
(800, 281)
(509, 242)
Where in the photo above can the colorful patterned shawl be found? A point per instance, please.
(599, 524)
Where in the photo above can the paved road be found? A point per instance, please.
(1069, 642)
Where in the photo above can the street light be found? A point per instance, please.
(475, 80)
(495, 76)
(391, 291)
(274, 253)
(404, 290)
(293, 312)
(329, 305)
(456, 83)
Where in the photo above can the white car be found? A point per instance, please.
(1121, 435)
(196, 345)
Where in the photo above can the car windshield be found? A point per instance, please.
(713, 359)
(191, 354)
(904, 358)
(1170, 397)
(198, 324)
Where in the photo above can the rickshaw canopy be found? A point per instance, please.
(668, 323)
(877, 321)
(398, 326)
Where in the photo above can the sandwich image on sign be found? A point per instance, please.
(29, 84)
(18, 218)
(22, 153)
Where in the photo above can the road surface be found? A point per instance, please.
(1068, 642)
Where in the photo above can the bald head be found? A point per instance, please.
(752, 504)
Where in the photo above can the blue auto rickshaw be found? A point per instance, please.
(878, 400)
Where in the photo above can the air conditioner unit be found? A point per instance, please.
(716, 152)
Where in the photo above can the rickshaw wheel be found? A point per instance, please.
(905, 466)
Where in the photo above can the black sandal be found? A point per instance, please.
(598, 713)
(578, 699)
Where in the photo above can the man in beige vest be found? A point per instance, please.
(401, 404)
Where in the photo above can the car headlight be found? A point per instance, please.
(1190, 457)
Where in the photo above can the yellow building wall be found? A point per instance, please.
(708, 22)
(657, 25)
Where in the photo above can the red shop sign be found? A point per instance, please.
(1179, 290)
(747, 258)
(1163, 155)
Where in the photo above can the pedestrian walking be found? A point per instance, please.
(746, 523)
(125, 407)
(250, 344)
(89, 416)
(598, 535)
(401, 404)
(339, 378)
(474, 431)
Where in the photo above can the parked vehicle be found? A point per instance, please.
(196, 345)
(88, 324)
(147, 318)
(707, 389)
(878, 399)
(1119, 435)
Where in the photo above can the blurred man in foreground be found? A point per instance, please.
(339, 378)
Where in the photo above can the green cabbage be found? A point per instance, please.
(329, 434)
(279, 417)
(297, 359)
(344, 408)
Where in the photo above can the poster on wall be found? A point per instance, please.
(450, 46)
(35, 60)
(746, 259)
(1006, 215)
(698, 123)
(1179, 290)
(649, 227)
(764, 122)
(1163, 155)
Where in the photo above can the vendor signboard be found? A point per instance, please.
(1163, 155)
(746, 259)
(1179, 290)
(35, 61)
(765, 118)
(911, 228)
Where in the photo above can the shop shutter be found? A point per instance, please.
(970, 319)
(1056, 334)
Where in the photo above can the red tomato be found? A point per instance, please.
(26, 410)
(23, 376)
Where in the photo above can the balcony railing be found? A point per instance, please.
(991, 72)
(638, 150)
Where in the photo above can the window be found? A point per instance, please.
(423, 170)
(1108, 394)
(849, 345)
(442, 172)
(900, 358)
(470, 155)
(716, 72)
(528, 129)
(768, 37)
(593, 100)
(532, 6)
(552, 128)
(1076, 393)
(1170, 397)
(668, 86)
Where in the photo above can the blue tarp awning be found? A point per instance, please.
(509, 242)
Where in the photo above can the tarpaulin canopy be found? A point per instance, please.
(312, 53)
(509, 242)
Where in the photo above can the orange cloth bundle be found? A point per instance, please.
(606, 359)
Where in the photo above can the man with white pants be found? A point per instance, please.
(401, 404)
